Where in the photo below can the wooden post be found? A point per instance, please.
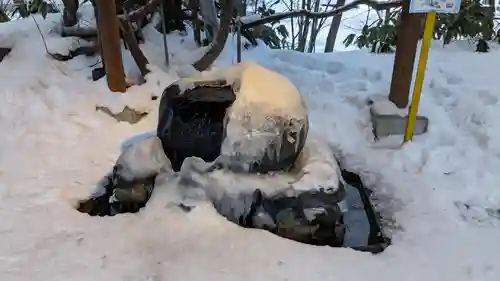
(408, 34)
(111, 52)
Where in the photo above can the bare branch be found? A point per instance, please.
(323, 20)
(377, 5)
(142, 11)
(220, 39)
(367, 16)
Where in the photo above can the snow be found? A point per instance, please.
(144, 159)
(439, 193)
(253, 116)
(250, 18)
(381, 105)
(317, 168)
(198, 183)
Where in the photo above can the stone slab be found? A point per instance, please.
(392, 124)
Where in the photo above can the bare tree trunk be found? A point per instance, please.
(109, 33)
(489, 13)
(69, 14)
(221, 38)
(314, 29)
(173, 16)
(255, 6)
(300, 23)
(193, 6)
(241, 7)
(408, 34)
(334, 30)
(209, 17)
(387, 16)
(292, 26)
(22, 8)
(305, 28)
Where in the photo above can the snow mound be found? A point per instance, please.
(442, 188)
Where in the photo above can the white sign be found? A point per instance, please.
(438, 6)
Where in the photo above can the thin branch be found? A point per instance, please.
(142, 11)
(43, 39)
(367, 16)
(377, 5)
(323, 20)
(87, 50)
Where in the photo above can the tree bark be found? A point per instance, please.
(209, 17)
(173, 16)
(69, 14)
(109, 34)
(193, 6)
(334, 30)
(408, 35)
(489, 13)
(241, 7)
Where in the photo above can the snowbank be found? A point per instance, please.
(55, 146)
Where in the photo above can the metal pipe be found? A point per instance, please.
(164, 31)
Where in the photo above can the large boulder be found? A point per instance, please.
(247, 117)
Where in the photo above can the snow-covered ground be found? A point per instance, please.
(441, 190)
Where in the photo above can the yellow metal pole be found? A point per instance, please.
(419, 79)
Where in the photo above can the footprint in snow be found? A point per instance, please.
(372, 76)
(487, 98)
(450, 78)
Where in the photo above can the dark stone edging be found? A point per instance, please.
(4, 52)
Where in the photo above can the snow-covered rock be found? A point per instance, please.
(289, 204)
(266, 125)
